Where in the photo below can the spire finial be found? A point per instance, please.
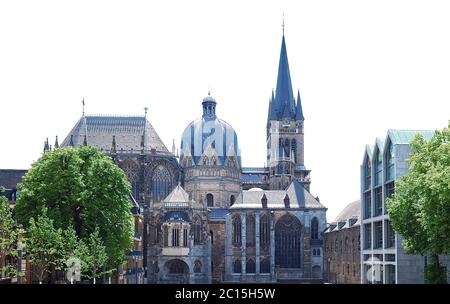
(283, 24)
(56, 142)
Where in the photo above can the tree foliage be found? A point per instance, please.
(81, 188)
(9, 236)
(420, 208)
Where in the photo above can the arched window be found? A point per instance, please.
(250, 225)
(161, 183)
(294, 149)
(237, 230)
(209, 200)
(264, 232)
(280, 148)
(316, 272)
(177, 267)
(265, 266)
(197, 230)
(318, 252)
(288, 234)
(314, 229)
(237, 266)
(250, 267)
(287, 148)
(232, 200)
(197, 266)
(314, 252)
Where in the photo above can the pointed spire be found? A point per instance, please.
(299, 111)
(271, 113)
(46, 145)
(71, 141)
(283, 104)
(56, 142)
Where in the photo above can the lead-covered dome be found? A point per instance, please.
(209, 137)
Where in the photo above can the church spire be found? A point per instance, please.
(299, 110)
(284, 103)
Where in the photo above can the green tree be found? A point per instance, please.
(420, 208)
(9, 236)
(81, 188)
(95, 257)
(42, 244)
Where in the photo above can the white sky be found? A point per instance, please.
(362, 67)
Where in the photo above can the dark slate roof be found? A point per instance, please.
(9, 178)
(218, 213)
(176, 216)
(128, 131)
(299, 197)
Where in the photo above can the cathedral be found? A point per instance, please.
(207, 219)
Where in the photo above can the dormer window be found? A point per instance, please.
(264, 201)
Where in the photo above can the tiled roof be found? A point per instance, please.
(299, 197)
(127, 130)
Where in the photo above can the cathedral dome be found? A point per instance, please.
(209, 137)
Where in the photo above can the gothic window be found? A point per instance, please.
(314, 229)
(318, 252)
(265, 266)
(237, 266)
(185, 237)
(212, 236)
(264, 232)
(294, 149)
(197, 266)
(209, 200)
(237, 230)
(346, 244)
(158, 233)
(175, 237)
(250, 267)
(280, 148)
(287, 148)
(314, 252)
(197, 230)
(161, 183)
(288, 242)
(177, 267)
(250, 225)
(232, 200)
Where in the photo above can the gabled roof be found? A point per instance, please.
(399, 137)
(178, 195)
(299, 197)
(128, 131)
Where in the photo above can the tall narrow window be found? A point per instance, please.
(161, 183)
(294, 149)
(264, 232)
(197, 230)
(314, 229)
(265, 266)
(209, 200)
(390, 162)
(287, 148)
(237, 230)
(185, 237)
(232, 200)
(250, 266)
(166, 236)
(367, 174)
(175, 237)
(378, 167)
(237, 266)
(367, 205)
(250, 225)
(378, 203)
(280, 148)
(197, 266)
(367, 236)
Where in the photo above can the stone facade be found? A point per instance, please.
(342, 247)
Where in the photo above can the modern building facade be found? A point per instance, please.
(342, 250)
(383, 258)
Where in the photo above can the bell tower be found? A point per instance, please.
(285, 131)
